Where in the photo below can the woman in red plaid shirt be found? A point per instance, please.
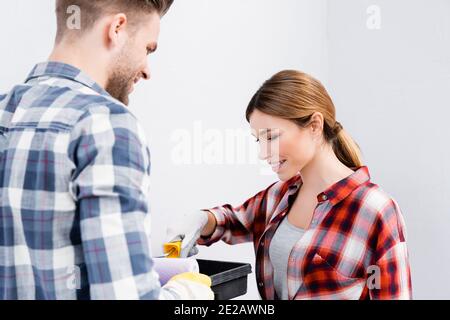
(324, 231)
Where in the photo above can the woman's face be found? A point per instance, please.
(283, 144)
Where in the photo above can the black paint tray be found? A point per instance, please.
(229, 279)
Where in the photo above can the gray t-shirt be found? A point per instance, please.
(284, 239)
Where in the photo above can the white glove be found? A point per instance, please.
(187, 229)
(189, 286)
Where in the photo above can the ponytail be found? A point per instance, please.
(345, 148)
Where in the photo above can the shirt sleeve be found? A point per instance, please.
(238, 224)
(391, 277)
(110, 186)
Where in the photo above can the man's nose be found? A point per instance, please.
(146, 73)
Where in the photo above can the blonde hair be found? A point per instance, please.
(296, 96)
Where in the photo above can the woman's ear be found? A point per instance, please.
(316, 124)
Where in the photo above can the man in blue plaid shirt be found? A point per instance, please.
(75, 165)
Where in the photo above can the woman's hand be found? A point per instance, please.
(188, 229)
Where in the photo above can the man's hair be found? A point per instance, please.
(92, 10)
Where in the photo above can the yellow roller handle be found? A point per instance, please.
(172, 249)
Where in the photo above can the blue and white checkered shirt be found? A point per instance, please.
(74, 180)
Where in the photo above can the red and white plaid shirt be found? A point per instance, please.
(354, 248)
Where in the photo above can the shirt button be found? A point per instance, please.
(324, 197)
(261, 244)
(260, 284)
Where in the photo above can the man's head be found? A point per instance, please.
(119, 33)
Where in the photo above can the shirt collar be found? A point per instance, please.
(338, 191)
(63, 70)
(341, 189)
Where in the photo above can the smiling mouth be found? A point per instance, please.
(276, 166)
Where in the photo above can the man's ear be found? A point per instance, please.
(117, 34)
(316, 124)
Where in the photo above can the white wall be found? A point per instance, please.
(391, 87)
(26, 37)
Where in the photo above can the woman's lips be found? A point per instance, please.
(277, 166)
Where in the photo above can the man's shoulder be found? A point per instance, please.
(75, 104)
(109, 109)
(69, 106)
(104, 113)
(86, 99)
(55, 99)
